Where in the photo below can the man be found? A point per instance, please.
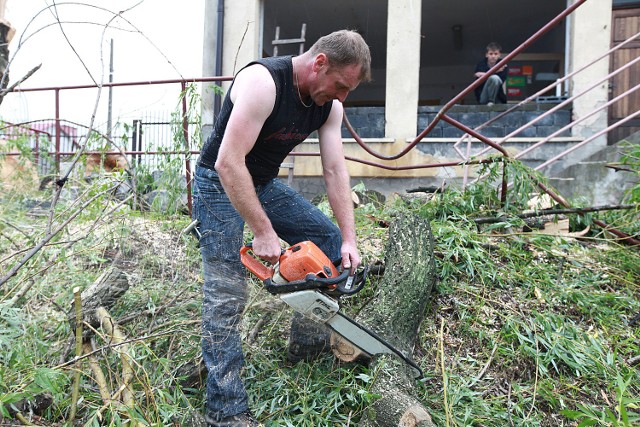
(272, 105)
(492, 90)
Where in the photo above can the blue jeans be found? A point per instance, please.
(490, 90)
(225, 291)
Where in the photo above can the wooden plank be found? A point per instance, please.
(287, 41)
(625, 25)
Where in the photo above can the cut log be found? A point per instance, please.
(104, 292)
(345, 350)
(398, 406)
(406, 286)
(396, 312)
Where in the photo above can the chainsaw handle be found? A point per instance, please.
(311, 281)
(354, 282)
(254, 265)
(344, 283)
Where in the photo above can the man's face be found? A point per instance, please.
(492, 57)
(332, 82)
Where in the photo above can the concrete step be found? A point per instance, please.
(592, 179)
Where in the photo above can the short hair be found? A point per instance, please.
(343, 48)
(494, 46)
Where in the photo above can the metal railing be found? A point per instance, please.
(61, 147)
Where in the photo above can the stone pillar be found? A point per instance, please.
(209, 58)
(590, 38)
(403, 68)
(241, 35)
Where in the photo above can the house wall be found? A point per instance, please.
(209, 57)
(242, 26)
(589, 36)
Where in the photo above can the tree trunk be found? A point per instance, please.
(396, 313)
(6, 34)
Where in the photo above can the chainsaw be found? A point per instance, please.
(306, 280)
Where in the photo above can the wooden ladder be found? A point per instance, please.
(278, 42)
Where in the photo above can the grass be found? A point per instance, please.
(525, 329)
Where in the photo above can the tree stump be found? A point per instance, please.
(395, 313)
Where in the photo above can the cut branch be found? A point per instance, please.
(117, 337)
(76, 380)
(98, 376)
(46, 240)
(11, 88)
(543, 212)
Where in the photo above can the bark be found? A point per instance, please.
(405, 289)
(395, 313)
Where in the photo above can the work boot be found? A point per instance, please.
(307, 339)
(240, 420)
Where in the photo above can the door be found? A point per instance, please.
(626, 24)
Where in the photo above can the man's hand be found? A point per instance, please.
(267, 247)
(350, 256)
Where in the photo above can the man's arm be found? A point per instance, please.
(336, 177)
(253, 95)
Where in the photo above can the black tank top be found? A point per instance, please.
(288, 125)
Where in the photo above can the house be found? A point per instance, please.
(424, 53)
(68, 134)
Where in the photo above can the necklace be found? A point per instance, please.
(299, 95)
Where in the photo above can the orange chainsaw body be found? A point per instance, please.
(305, 258)
(295, 263)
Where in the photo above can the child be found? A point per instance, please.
(492, 90)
